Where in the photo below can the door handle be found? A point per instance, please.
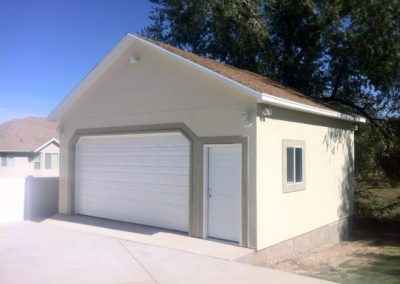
(209, 193)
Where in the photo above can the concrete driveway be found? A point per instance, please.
(45, 253)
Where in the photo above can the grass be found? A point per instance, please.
(379, 261)
(361, 261)
(368, 268)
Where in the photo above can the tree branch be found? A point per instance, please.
(360, 110)
(338, 80)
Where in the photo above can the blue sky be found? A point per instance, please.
(48, 46)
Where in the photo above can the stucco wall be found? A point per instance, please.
(12, 199)
(328, 172)
(27, 198)
(157, 90)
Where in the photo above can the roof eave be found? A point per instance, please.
(288, 104)
(15, 151)
(41, 147)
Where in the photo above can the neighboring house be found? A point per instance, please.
(158, 136)
(28, 147)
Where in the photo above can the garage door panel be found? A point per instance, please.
(140, 179)
(155, 154)
(139, 161)
(136, 178)
(134, 169)
(100, 202)
(154, 193)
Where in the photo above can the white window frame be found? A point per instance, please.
(293, 186)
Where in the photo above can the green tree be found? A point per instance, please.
(343, 52)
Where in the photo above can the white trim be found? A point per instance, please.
(260, 97)
(52, 140)
(288, 104)
(288, 187)
(206, 154)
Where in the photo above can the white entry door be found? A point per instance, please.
(138, 178)
(223, 180)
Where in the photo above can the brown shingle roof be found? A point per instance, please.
(26, 135)
(252, 80)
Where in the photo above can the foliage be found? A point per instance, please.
(368, 146)
(230, 31)
(389, 159)
(378, 203)
(344, 52)
(378, 157)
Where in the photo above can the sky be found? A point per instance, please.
(47, 47)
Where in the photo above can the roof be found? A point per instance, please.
(26, 135)
(262, 88)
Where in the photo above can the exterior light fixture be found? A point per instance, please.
(264, 112)
(133, 59)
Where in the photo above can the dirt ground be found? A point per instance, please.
(361, 261)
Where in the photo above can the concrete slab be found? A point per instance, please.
(41, 253)
(149, 235)
(38, 254)
(173, 266)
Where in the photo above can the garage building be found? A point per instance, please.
(159, 136)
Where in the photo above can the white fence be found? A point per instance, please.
(27, 198)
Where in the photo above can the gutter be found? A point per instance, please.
(288, 104)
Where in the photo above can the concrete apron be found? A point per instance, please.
(37, 253)
(150, 236)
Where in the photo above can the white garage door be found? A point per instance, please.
(140, 178)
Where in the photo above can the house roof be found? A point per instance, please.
(27, 134)
(262, 88)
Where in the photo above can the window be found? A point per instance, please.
(293, 165)
(51, 161)
(7, 161)
(37, 162)
(3, 161)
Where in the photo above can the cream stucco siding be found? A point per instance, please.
(159, 90)
(328, 172)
